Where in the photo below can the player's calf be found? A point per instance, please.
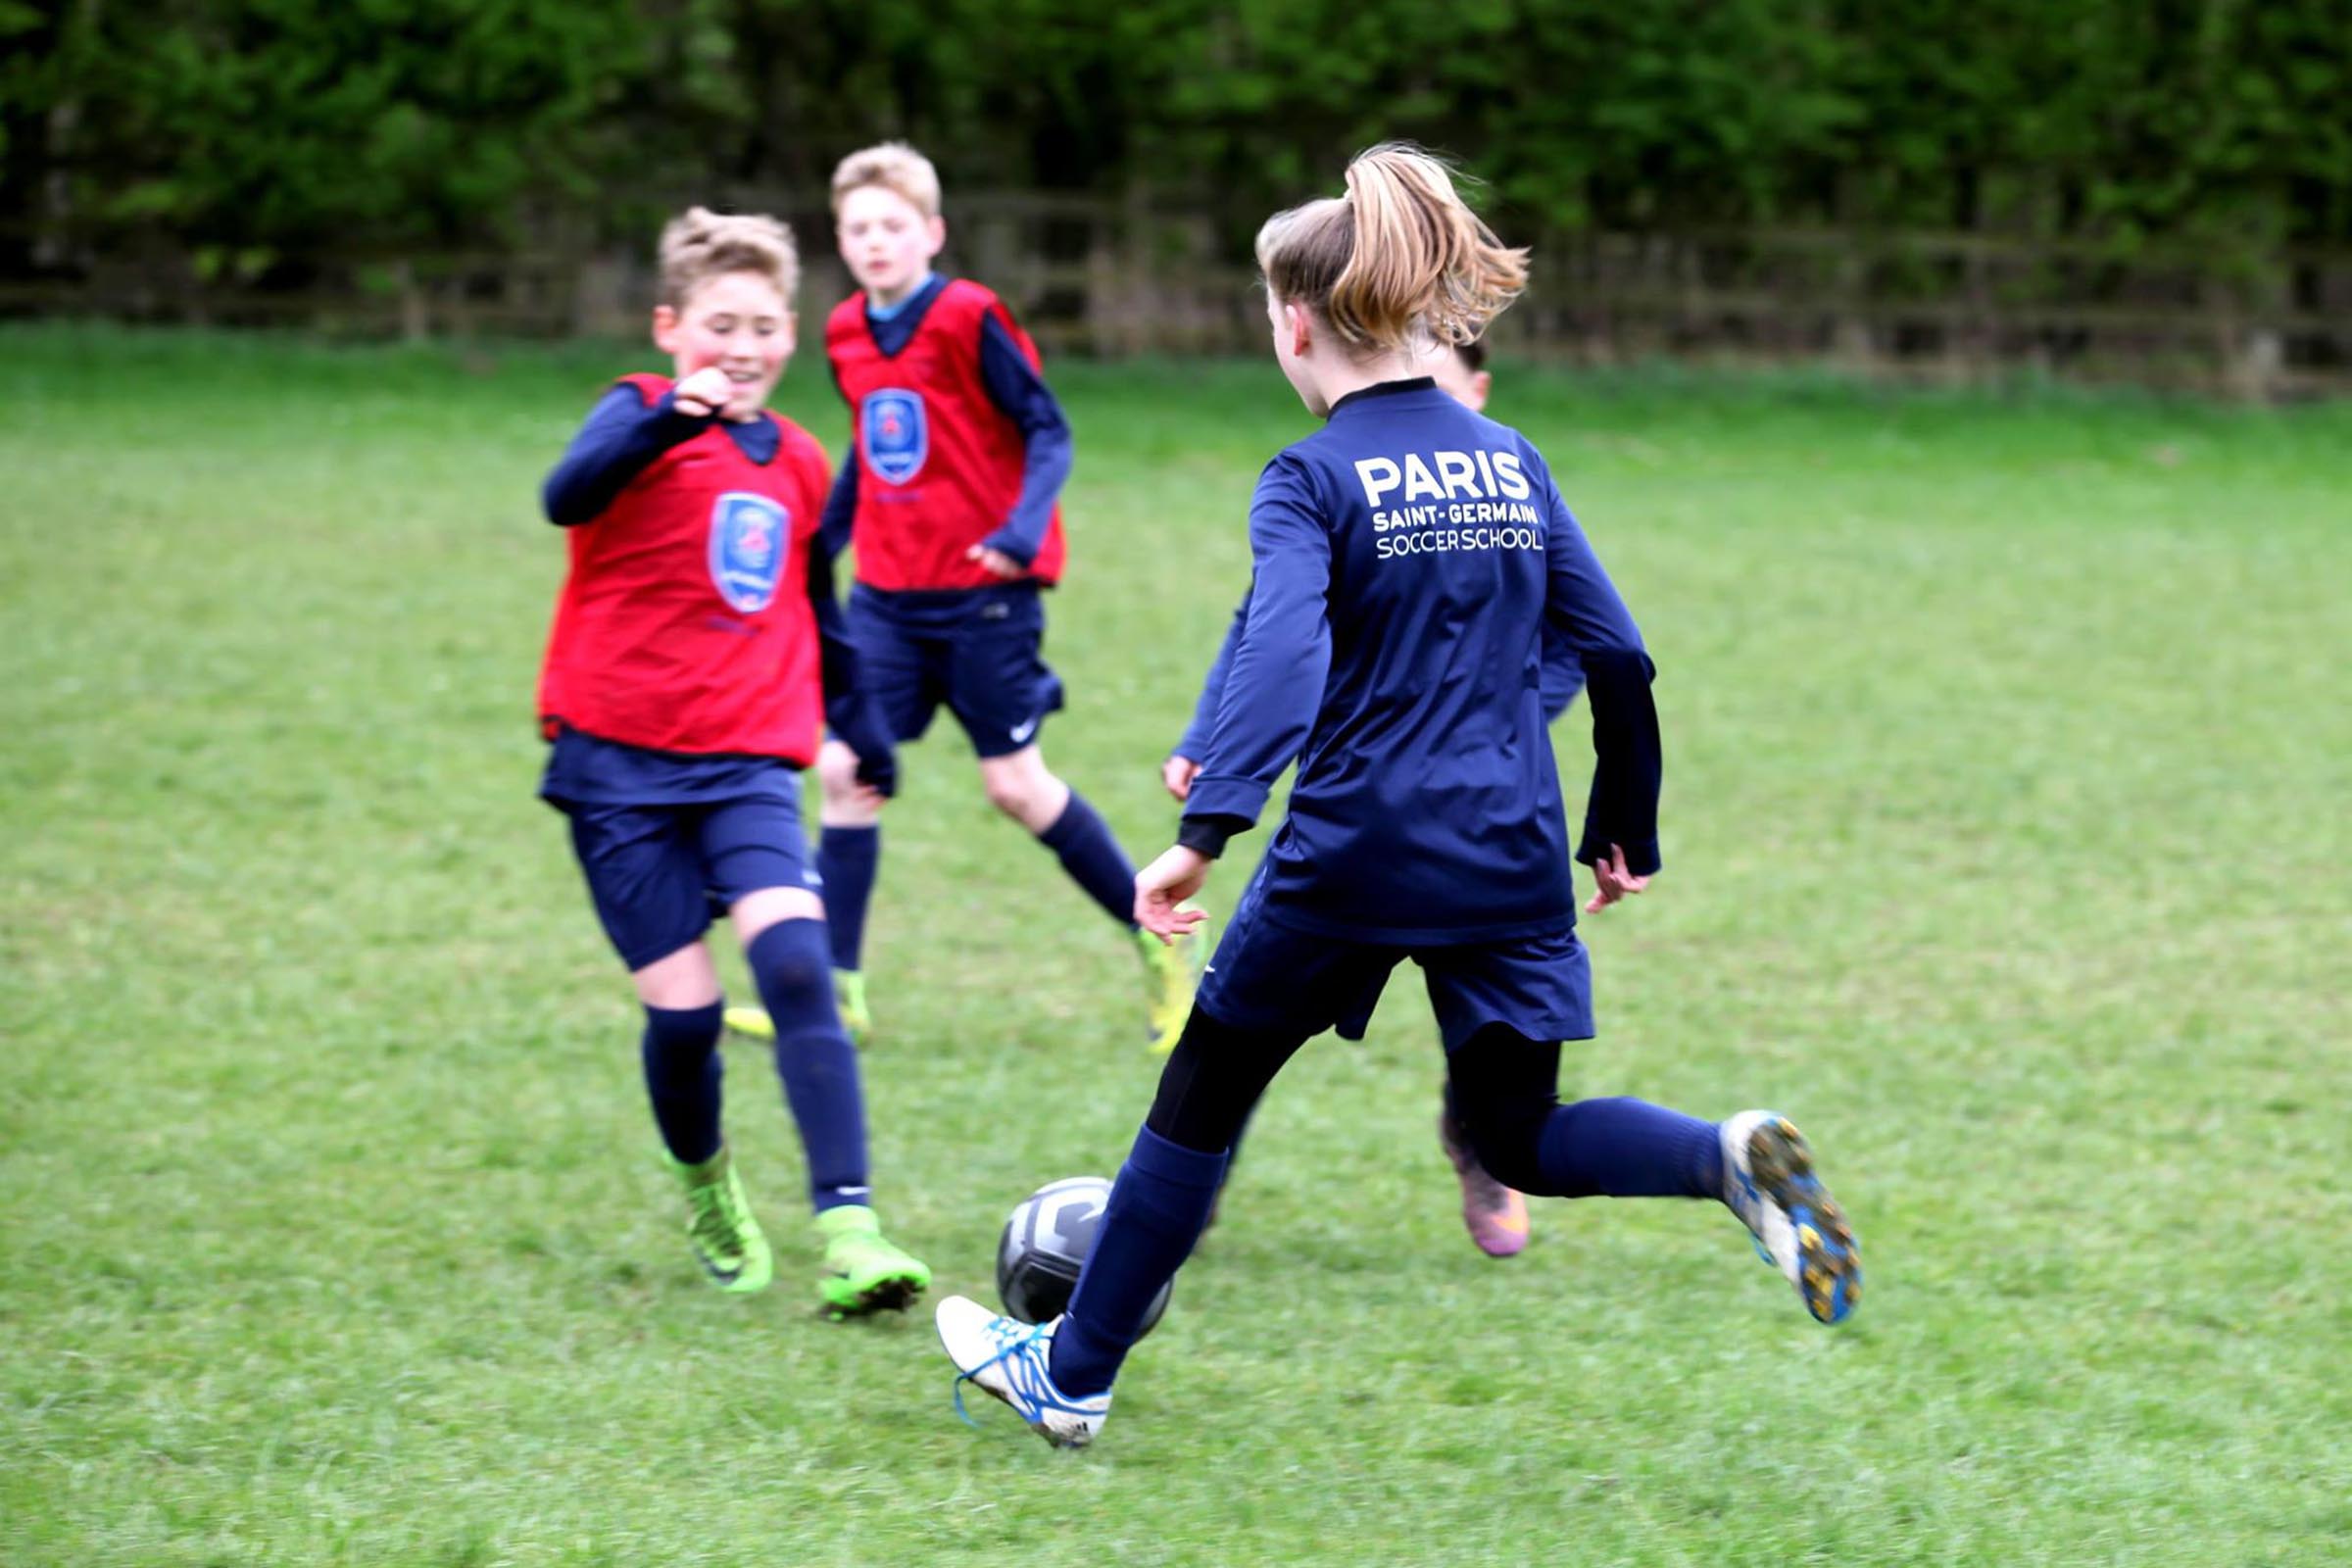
(849, 996)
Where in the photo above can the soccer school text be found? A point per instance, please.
(1449, 501)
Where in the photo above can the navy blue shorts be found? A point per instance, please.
(987, 667)
(1274, 979)
(657, 873)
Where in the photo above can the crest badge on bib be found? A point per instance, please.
(748, 536)
(897, 437)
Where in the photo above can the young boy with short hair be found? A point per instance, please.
(694, 647)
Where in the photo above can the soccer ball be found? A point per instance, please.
(1045, 1244)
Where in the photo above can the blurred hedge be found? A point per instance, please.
(247, 136)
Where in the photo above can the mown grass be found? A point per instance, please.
(2008, 760)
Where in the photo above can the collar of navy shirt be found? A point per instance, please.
(894, 328)
(758, 440)
(1411, 383)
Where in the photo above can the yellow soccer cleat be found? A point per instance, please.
(753, 1023)
(1172, 974)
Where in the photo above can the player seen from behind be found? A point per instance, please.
(1494, 1214)
(1408, 558)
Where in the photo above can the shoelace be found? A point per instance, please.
(1011, 1335)
(714, 1219)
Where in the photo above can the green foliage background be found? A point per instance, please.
(274, 129)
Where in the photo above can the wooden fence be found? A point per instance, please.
(1121, 279)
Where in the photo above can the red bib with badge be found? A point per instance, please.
(939, 464)
(684, 622)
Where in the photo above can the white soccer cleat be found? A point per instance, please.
(1768, 1180)
(1011, 1359)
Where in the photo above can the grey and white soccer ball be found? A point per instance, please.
(1045, 1244)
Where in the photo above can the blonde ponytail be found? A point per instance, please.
(1400, 255)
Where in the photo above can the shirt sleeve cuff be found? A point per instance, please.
(1226, 795)
(1011, 542)
(670, 427)
(1641, 858)
(1208, 835)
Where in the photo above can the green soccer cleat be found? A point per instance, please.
(719, 1226)
(751, 1022)
(864, 1272)
(1171, 973)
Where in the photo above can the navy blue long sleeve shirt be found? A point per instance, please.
(1563, 679)
(1020, 393)
(621, 437)
(1409, 561)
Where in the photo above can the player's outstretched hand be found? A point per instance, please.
(1614, 881)
(997, 563)
(1178, 774)
(704, 393)
(1163, 885)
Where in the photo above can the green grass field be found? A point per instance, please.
(2008, 768)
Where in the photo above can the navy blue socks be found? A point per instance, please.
(682, 1070)
(793, 964)
(1622, 1148)
(1082, 840)
(847, 859)
(1158, 1207)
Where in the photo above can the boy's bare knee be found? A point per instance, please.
(679, 981)
(1024, 788)
(1011, 794)
(837, 778)
(836, 768)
